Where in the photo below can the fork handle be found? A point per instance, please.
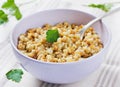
(99, 18)
(95, 20)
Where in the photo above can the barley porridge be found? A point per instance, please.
(67, 48)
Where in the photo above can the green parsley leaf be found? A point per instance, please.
(52, 36)
(3, 17)
(14, 75)
(17, 14)
(104, 7)
(12, 7)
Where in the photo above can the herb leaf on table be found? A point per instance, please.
(12, 7)
(104, 7)
(14, 75)
(3, 17)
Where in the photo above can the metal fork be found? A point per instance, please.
(85, 27)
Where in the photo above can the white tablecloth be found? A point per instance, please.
(108, 75)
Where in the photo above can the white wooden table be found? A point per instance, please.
(108, 75)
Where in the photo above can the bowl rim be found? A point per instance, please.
(52, 63)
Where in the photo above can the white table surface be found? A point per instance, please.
(108, 75)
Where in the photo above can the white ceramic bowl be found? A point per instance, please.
(60, 72)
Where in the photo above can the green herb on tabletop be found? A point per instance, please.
(3, 17)
(52, 36)
(12, 7)
(104, 7)
(15, 75)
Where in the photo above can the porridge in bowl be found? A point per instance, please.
(60, 57)
(68, 47)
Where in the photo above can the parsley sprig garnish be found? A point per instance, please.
(13, 9)
(104, 7)
(3, 17)
(14, 75)
(52, 35)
